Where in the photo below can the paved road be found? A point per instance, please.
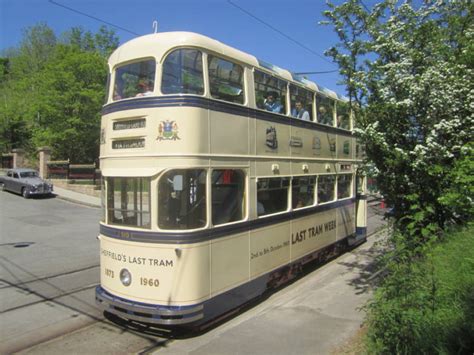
(49, 268)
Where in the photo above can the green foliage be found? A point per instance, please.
(52, 92)
(457, 196)
(410, 70)
(426, 304)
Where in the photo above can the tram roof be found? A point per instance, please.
(158, 44)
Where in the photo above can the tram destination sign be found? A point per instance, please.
(130, 124)
(128, 143)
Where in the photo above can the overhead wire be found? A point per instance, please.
(233, 4)
(281, 33)
(93, 17)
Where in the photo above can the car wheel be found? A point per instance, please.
(24, 193)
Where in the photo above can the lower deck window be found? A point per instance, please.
(302, 191)
(344, 186)
(128, 201)
(272, 195)
(228, 196)
(182, 199)
(326, 188)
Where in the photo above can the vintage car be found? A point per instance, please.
(25, 182)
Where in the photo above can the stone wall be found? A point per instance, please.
(91, 190)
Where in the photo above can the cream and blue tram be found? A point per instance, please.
(214, 191)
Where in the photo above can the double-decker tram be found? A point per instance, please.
(223, 176)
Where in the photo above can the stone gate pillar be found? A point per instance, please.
(44, 158)
(18, 158)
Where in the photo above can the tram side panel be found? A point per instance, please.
(164, 130)
(346, 221)
(229, 133)
(159, 273)
(312, 233)
(269, 248)
(229, 262)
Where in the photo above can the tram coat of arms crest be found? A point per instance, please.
(168, 130)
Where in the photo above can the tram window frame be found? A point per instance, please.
(321, 189)
(306, 97)
(266, 84)
(182, 202)
(140, 82)
(299, 197)
(228, 196)
(326, 102)
(346, 187)
(343, 119)
(228, 89)
(103, 190)
(138, 216)
(192, 83)
(275, 202)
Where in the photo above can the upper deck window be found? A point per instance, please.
(343, 115)
(134, 80)
(270, 92)
(301, 103)
(226, 80)
(182, 73)
(325, 109)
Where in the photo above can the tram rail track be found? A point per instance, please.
(9, 284)
(44, 298)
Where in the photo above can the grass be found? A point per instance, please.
(426, 305)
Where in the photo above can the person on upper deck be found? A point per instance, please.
(271, 104)
(145, 87)
(324, 116)
(300, 112)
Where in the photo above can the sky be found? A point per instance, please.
(218, 19)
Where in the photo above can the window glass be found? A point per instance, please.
(128, 201)
(226, 80)
(344, 186)
(272, 195)
(182, 199)
(182, 73)
(16, 176)
(301, 103)
(228, 196)
(29, 174)
(302, 191)
(325, 110)
(343, 118)
(270, 92)
(326, 187)
(134, 80)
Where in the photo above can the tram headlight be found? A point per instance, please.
(125, 277)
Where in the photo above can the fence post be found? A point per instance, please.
(18, 158)
(44, 158)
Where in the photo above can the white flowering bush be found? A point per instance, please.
(410, 70)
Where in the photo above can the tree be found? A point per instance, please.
(410, 69)
(51, 92)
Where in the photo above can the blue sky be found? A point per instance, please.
(214, 18)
